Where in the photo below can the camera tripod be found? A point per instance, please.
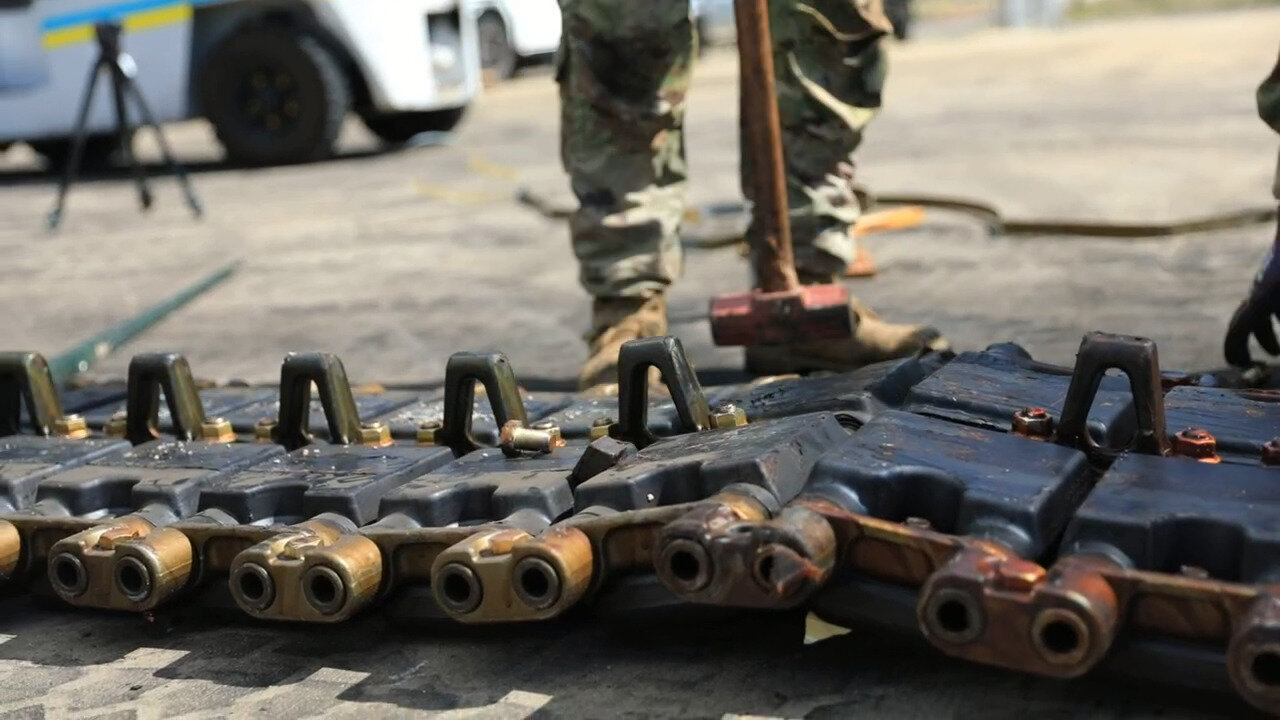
(121, 69)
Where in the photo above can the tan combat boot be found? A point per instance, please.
(874, 340)
(615, 321)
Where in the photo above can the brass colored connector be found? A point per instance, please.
(548, 426)
(317, 571)
(217, 430)
(728, 416)
(375, 434)
(509, 576)
(82, 567)
(264, 430)
(116, 427)
(10, 549)
(515, 438)
(429, 432)
(72, 427)
(152, 569)
(600, 427)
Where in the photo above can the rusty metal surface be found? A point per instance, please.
(321, 570)
(987, 389)
(1242, 421)
(1017, 541)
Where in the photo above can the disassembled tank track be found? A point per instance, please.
(1018, 514)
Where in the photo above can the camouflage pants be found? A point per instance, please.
(624, 71)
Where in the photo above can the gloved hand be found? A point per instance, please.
(1254, 315)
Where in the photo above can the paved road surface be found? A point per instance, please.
(63, 664)
(396, 260)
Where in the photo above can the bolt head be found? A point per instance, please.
(600, 428)
(728, 416)
(429, 432)
(264, 429)
(218, 430)
(375, 434)
(1195, 443)
(73, 427)
(1271, 453)
(1033, 422)
(118, 425)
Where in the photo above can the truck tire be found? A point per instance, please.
(274, 97)
(498, 57)
(398, 128)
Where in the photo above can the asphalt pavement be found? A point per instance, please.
(395, 260)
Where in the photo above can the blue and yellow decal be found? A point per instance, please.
(136, 16)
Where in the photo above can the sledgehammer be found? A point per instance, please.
(780, 311)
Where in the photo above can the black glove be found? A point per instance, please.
(1254, 315)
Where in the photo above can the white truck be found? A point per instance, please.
(515, 32)
(276, 78)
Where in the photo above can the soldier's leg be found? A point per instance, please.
(624, 72)
(831, 68)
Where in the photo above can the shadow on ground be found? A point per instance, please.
(589, 666)
(32, 176)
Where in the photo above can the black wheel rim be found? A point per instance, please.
(269, 101)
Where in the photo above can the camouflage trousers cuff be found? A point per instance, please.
(610, 269)
(827, 254)
(634, 289)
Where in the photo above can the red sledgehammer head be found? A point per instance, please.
(810, 312)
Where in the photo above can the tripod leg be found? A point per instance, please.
(77, 147)
(119, 82)
(193, 200)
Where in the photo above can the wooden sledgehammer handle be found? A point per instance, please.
(775, 262)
